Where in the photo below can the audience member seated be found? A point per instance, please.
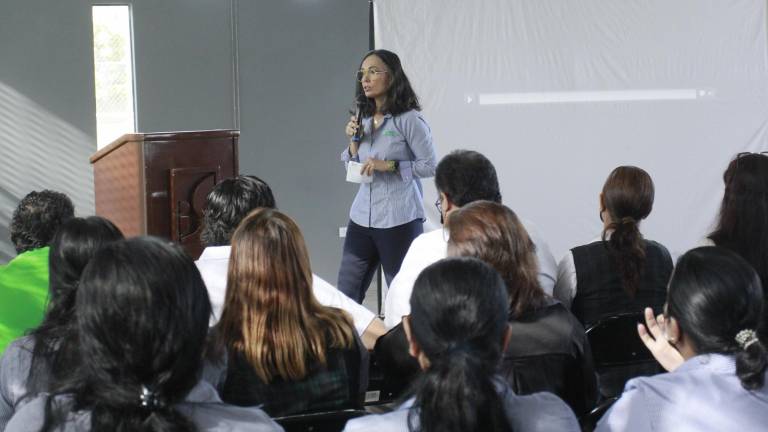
(458, 330)
(548, 350)
(742, 225)
(30, 364)
(712, 340)
(462, 177)
(228, 204)
(283, 350)
(621, 271)
(24, 280)
(142, 317)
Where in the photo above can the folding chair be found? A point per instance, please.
(618, 353)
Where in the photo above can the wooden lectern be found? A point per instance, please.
(156, 183)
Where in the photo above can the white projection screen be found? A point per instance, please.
(557, 93)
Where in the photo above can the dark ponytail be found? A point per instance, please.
(142, 319)
(132, 418)
(751, 360)
(716, 298)
(628, 198)
(458, 319)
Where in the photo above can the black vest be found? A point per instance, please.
(599, 291)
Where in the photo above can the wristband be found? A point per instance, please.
(393, 165)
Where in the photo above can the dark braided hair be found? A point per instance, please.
(628, 198)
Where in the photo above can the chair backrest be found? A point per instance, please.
(615, 341)
(589, 421)
(558, 373)
(330, 421)
(392, 367)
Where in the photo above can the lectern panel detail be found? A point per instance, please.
(156, 183)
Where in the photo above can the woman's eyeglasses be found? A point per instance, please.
(373, 72)
(439, 205)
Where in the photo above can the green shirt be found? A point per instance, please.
(23, 294)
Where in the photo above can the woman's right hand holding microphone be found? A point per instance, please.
(350, 130)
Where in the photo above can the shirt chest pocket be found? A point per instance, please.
(397, 147)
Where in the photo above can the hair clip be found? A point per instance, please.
(745, 338)
(149, 399)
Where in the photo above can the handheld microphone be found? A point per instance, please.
(359, 120)
(360, 101)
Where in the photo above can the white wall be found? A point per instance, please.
(569, 72)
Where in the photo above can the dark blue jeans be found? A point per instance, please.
(366, 248)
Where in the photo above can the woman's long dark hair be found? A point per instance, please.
(142, 319)
(628, 198)
(493, 233)
(400, 94)
(73, 245)
(459, 319)
(713, 295)
(743, 223)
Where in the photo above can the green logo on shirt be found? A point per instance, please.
(390, 133)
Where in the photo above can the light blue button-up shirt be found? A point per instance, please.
(702, 395)
(539, 412)
(394, 198)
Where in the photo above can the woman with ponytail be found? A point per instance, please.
(142, 315)
(457, 331)
(711, 337)
(621, 271)
(33, 363)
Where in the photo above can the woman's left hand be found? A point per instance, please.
(372, 165)
(656, 341)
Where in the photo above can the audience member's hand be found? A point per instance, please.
(653, 337)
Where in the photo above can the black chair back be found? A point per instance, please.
(393, 368)
(615, 342)
(618, 352)
(589, 421)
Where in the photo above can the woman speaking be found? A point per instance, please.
(393, 145)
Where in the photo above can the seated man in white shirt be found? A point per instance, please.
(227, 204)
(462, 177)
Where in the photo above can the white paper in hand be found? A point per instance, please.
(353, 173)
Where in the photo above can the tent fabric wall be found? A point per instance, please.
(558, 93)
